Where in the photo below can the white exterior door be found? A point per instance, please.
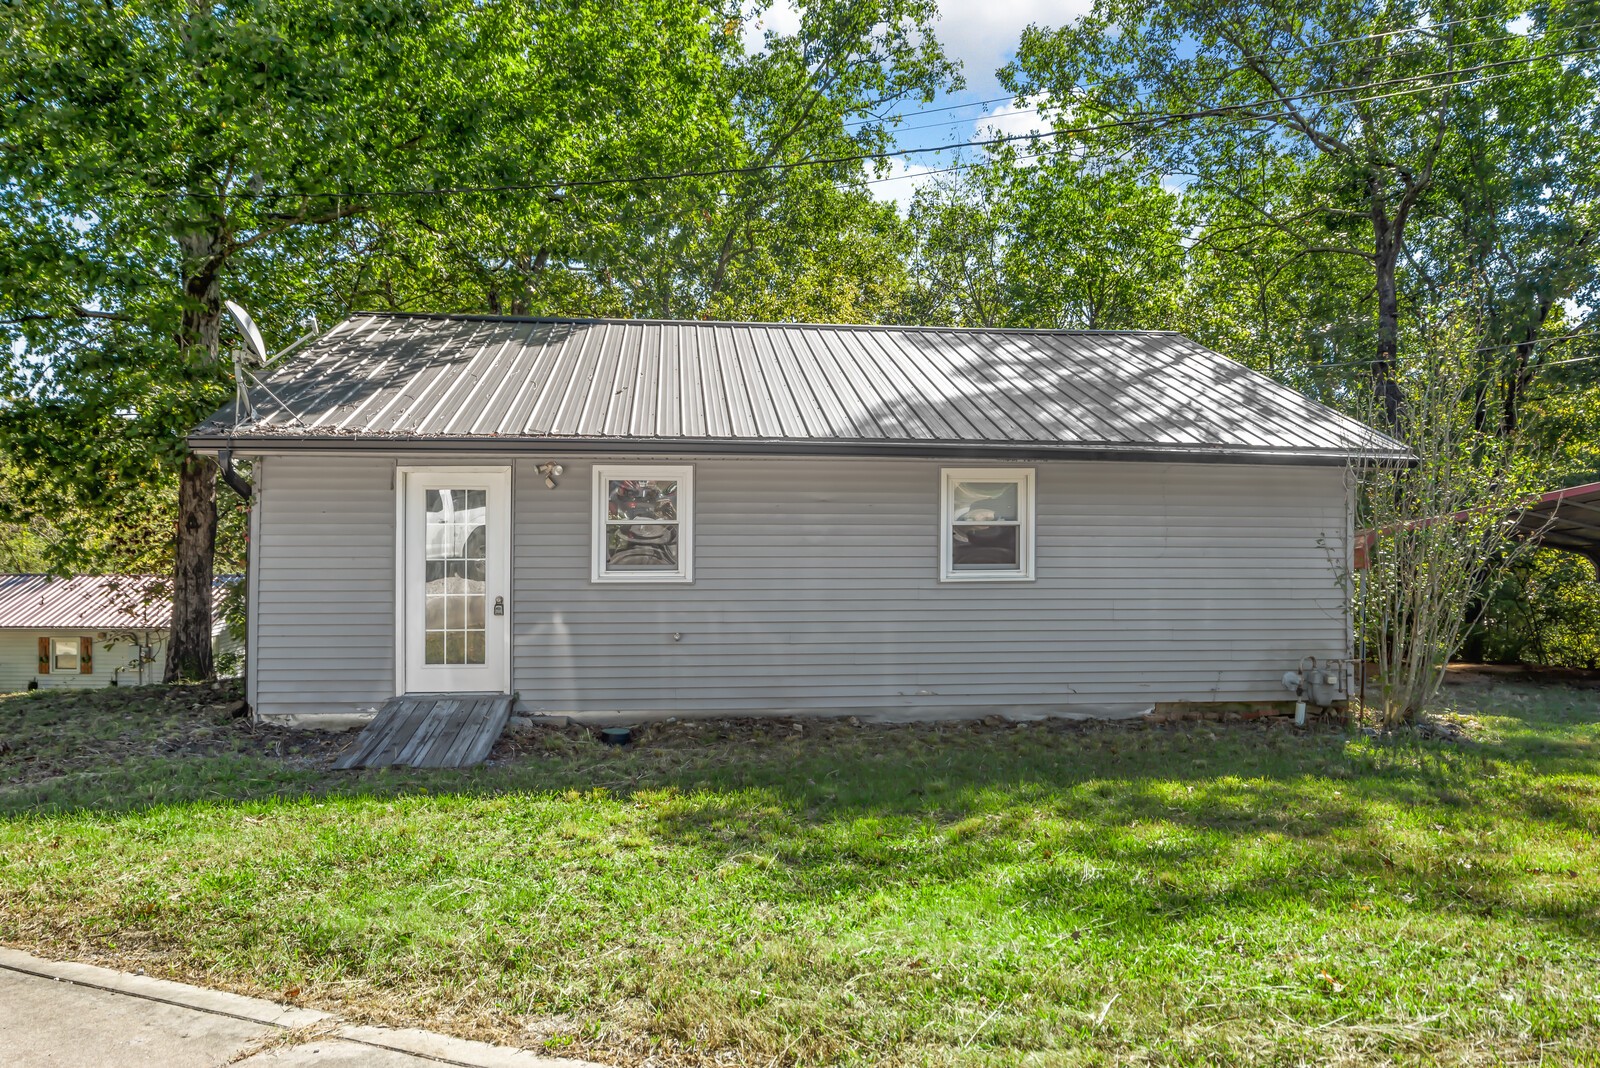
(454, 600)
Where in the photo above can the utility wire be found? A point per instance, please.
(1378, 36)
(1311, 46)
(1045, 153)
(931, 111)
(785, 166)
(1324, 368)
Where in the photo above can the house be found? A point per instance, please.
(84, 632)
(635, 518)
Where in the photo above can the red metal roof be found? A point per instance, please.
(1566, 519)
(1561, 519)
(89, 602)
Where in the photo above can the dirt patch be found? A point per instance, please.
(49, 734)
(46, 734)
(544, 738)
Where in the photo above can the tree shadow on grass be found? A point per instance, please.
(1169, 823)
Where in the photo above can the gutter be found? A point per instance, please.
(265, 445)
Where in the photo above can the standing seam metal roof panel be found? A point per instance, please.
(422, 378)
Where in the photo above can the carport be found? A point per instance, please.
(1566, 519)
(1561, 519)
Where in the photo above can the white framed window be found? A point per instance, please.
(986, 524)
(64, 654)
(643, 523)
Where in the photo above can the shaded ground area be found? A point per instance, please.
(819, 893)
(49, 735)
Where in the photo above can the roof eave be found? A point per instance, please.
(258, 444)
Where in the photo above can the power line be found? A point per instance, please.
(887, 154)
(1378, 36)
(1324, 368)
(931, 111)
(1484, 80)
(1575, 359)
(1311, 46)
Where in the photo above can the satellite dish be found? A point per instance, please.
(247, 327)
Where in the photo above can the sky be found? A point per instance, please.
(982, 35)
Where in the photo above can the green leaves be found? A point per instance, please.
(311, 156)
(1054, 244)
(1356, 167)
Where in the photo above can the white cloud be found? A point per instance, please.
(1010, 122)
(781, 18)
(900, 185)
(983, 34)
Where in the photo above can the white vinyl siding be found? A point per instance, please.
(815, 589)
(116, 662)
(323, 621)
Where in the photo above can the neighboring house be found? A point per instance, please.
(634, 518)
(86, 631)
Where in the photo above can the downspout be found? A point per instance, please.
(235, 481)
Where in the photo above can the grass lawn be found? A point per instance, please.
(965, 895)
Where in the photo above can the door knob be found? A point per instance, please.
(499, 606)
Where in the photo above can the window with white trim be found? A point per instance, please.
(643, 523)
(987, 531)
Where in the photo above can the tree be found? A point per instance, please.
(754, 230)
(1442, 528)
(1262, 295)
(157, 154)
(1059, 244)
(1366, 104)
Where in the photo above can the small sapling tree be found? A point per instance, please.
(1440, 532)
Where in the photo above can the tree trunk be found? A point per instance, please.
(189, 648)
(1386, 246)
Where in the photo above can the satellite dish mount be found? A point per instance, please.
(242, 407)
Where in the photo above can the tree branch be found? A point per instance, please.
(76, 310)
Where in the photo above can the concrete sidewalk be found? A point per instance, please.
(55, 1015)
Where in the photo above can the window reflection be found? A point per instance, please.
(641, 546)
(455, 538)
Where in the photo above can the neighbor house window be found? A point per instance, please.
(643, 523)
(987, 531)
(64, 654)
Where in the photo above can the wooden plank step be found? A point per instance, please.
(498, 713)
(411, 714)
(443, 723)
(430, 731)
(479, 727)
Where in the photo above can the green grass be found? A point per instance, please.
(911, 895)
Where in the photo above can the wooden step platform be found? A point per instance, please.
(430, 730)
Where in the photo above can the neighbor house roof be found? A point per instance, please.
(90, 602)
(460, 381)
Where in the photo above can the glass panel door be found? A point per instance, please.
(454, 615)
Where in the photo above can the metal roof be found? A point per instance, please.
(440, 381)
(91, 602)
(1566, 519)
(1560, 519)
